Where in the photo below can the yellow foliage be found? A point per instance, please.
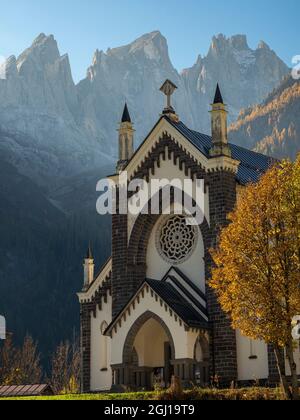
(257, 263)
(288, 96)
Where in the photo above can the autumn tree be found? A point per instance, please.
(257, 264)
(20, 365)
(65, 376)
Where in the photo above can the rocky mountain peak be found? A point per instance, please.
(97, 57)
(217, 43)
(43, 51)
(72, 127)
(153, 46)
(239, 42)
(220, 43)
(9, 68)
(263, 46)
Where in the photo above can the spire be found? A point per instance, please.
(126, 115)
(220, 146)
(89, 268)
(126, 140)
(89, 253)
(218, 96)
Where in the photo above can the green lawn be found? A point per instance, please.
(193, 395)
(104, 397)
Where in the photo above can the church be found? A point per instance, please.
(150, 314)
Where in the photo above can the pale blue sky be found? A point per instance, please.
(81, 26)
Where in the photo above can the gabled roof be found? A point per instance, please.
(25, 390)
(176, 302)
(252, 165)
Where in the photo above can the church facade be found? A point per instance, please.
(150, 314)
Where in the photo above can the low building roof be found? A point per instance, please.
(25, 390)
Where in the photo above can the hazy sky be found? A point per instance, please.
(81, 26)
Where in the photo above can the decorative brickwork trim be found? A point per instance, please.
(168, 148)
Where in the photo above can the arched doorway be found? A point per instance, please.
(151, 343)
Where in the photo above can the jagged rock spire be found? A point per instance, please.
(126, 115)
(218, 96)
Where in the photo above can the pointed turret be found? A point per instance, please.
(89, 268)
(126, 139)
(126, 116)
(219, 113)
(89, 253)
(218, 96)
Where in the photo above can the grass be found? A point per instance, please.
(248, 394)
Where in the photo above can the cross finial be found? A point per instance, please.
(168, 88)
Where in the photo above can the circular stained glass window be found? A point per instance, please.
(175, 240)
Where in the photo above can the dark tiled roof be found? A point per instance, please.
(253, 165)
(25, 390)
(179, 305)
(174, 300)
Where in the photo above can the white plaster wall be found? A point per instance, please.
(100, 381)
(193, 268)
(182, 339)
(251, 370)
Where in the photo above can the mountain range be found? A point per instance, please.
(58, 138)
(55, 128)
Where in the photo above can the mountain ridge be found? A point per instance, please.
(70, 128)
(272, 127)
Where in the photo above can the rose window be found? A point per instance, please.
(176, 240)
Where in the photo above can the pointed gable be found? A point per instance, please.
(250, 166)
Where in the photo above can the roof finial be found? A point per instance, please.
(218, 96)
(126, 115)
(168, 88)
